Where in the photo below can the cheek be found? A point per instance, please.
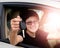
(37, 25)
(27, 27)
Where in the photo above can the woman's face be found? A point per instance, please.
(32, 24)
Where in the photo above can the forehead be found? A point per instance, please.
(33, 18)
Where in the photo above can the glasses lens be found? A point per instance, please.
(31, 22)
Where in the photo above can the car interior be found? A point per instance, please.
(8, 8)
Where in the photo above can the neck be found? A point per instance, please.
(31, 34)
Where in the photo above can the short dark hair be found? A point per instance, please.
(28, 13)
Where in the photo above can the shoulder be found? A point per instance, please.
(41, 33)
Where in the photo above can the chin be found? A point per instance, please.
(33, 31)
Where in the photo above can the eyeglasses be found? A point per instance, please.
(31, 22)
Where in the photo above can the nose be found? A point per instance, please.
(32, 24)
